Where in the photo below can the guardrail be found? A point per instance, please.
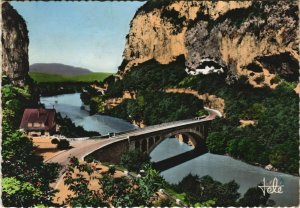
(77, 139)
(109, 135)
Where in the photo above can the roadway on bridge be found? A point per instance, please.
(81, 149)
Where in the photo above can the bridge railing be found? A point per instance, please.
(78, 139)
(112, 134)
(124, 132)
(146, 128)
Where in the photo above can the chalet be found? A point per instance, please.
(37, 122)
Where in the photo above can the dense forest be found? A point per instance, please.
(26, 179)
(272, 138)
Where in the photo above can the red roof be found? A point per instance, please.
(38, 115)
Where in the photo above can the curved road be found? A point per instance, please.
(80, 149)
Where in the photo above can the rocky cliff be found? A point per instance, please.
(257, 39)
(14, 45)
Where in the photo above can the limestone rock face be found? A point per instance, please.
(254, 38)
(259, 41)
(158, 30)
(14, 45)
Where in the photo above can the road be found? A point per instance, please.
(80, 149)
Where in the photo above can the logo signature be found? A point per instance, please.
(272, 188)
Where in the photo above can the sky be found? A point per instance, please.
(82, 34)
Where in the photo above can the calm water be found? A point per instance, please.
(221, 168)
(224, 169)
(70, 105)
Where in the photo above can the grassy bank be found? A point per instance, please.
(43, 77)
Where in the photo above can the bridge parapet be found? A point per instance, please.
(148, 138)
(196, 133)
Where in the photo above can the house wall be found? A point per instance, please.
(34, 133)
(38, 133)
(35, 124)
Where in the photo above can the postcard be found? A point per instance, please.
(158, 103)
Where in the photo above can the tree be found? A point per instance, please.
(111, 169)
(216, 142)
(149, 184)
(117, 191)
(63, 144)
(83, 196)
(20, 194)
(254, 197)
(134, 160)
(54, 141)
(283, 156)
(97, 104)
(21, 166)
(205, 189)
(124, 191)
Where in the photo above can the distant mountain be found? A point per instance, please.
(59, 69)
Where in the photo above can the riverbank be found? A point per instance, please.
(225, 169)
(221, 168)
(71, 105)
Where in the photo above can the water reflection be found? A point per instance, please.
(223, 169)
(70, 105)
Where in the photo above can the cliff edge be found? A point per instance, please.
(258, 39)
(14, 45)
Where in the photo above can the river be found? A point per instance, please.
(70, 105)
(221, 168)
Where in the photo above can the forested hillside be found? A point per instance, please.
(258, 82)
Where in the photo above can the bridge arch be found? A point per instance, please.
(196, 137)
(150, 137)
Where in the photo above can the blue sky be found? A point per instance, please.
(83, 34)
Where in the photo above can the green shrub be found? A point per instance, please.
(134, 160)
(63, 144)
(54, 141)
(111, 169)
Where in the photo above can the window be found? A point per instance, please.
(36, 125)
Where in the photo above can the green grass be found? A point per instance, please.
(43, 77)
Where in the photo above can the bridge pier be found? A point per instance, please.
(157, 138)
(180, 138)
(144, 145)
(190, 132)
(151, 143)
